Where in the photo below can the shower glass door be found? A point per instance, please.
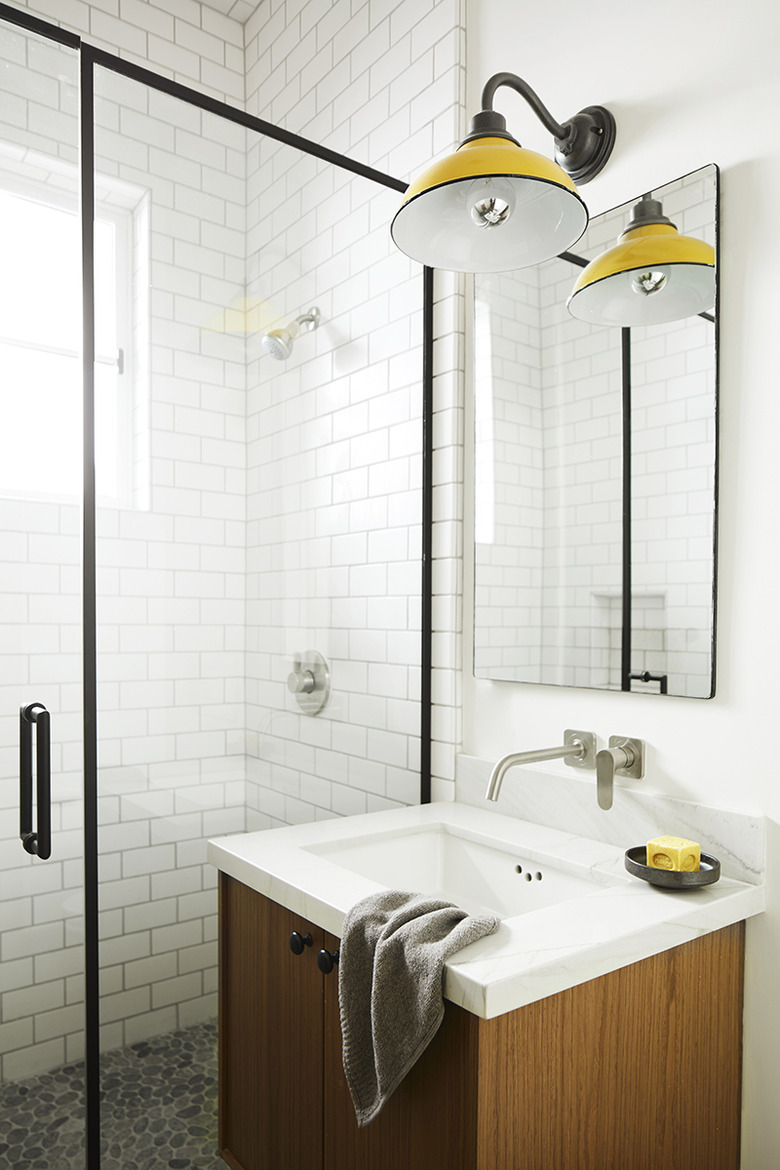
(41, 880)
(170, 609)
(265, 504)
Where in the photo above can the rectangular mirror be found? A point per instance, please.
(595, 477)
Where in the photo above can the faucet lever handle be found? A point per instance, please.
(623, 757)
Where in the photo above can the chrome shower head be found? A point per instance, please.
(278, 343)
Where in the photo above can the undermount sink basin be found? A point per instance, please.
(475, 873)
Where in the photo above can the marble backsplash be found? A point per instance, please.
(568, 803)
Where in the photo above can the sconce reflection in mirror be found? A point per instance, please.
(653, 274)
(595, 478)
(492, 205)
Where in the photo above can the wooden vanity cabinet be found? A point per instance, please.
(639, 1068)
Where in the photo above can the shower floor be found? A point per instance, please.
(158, 1109)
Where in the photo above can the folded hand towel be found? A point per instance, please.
(391, 975)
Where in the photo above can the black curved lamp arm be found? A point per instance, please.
(583, 143)
(534, 101)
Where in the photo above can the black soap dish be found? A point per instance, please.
(671, 879)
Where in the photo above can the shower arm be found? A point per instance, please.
(310, 320)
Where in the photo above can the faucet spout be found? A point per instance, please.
(578, 750)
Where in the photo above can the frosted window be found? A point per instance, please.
(40, 351)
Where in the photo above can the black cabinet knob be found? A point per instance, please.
(326, 961)
(299, 941)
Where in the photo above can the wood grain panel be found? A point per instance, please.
(430, 1121)
(640, 1068)
(270, 1036)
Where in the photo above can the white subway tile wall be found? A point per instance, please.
(275, 507)
(171, 666)
(182, 39)
(334, 561)
(548, 504)
(334, 475)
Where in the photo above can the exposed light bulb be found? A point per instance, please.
(490, 212)
(490, 202)
(647, 283)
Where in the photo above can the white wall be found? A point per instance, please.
(713, 76)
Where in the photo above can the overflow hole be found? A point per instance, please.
(538, 876)
(518, 869)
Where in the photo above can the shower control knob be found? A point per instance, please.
(309, 681)
(301, 682)
(299, 941)
(326, 961)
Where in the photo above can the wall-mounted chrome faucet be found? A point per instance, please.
(623, 757)
(578, 751)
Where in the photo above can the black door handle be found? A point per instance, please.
(37, 843)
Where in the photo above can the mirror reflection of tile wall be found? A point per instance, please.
(548, 461)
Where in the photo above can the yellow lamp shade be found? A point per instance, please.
(653, 275)
(492, 206)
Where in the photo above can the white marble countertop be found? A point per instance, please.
(531, 956)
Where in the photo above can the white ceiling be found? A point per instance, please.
(239, 10)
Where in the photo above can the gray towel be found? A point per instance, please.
(391, 976)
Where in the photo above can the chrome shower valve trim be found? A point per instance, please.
(309, 681)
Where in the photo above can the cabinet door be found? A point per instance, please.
(639, 1068)
(429, 1122)
(270, 1036)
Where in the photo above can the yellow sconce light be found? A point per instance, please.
(493, 206)
(653, 275)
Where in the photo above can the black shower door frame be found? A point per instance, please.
(90, 58)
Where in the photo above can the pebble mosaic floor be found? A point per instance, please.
(158, 1109)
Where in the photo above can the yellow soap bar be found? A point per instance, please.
(674, 853)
